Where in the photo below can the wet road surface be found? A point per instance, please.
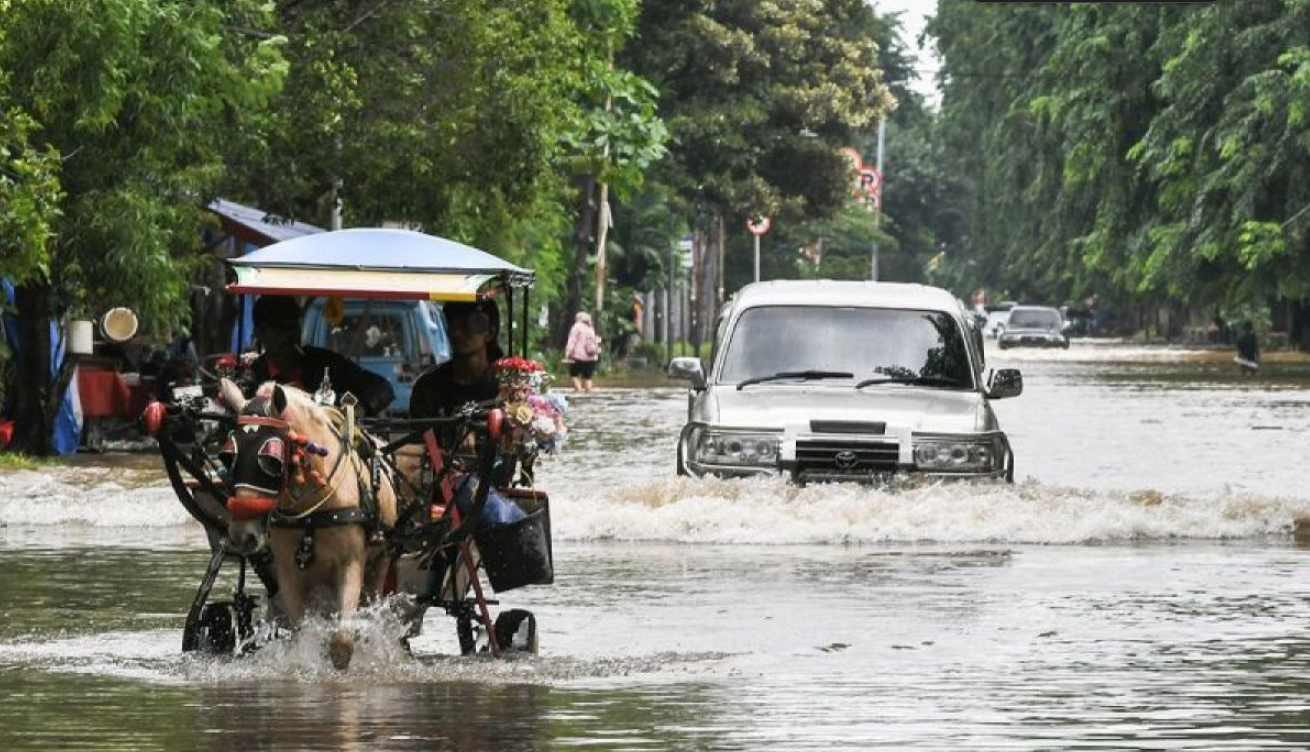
(1140, 587)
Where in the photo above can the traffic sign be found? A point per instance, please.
(758, 225)
(870, 180)
(853, 156)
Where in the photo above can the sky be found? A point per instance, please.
(914, 13)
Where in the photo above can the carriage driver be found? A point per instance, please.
(286, 361)
(470, 374)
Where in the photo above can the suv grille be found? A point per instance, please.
(846, 457)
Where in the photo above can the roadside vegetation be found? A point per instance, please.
(1146, 153)
(1152, 154)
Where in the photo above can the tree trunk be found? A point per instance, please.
(1298, 334)
(602, 237)
(582, 248)
(34, 429)
(694, 286)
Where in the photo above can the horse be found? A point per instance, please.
(293, 471)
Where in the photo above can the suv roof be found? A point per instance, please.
(830, 292)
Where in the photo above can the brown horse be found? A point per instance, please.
(293, 469)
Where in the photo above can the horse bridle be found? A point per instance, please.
(287, 448)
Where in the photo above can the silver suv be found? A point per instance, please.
(839, 381)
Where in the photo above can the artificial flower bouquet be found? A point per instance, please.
(536, 414)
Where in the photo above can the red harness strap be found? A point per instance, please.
(250, 508)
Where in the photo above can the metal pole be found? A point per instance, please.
(669, 291)
(877, 217)
(757, 257)
(336, 205)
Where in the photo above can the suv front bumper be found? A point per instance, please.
(847, 459)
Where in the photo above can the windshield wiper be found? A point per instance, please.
(915, 380)
(807, 375)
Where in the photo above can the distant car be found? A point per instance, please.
(823, 380)
(1034, 326)
(396, 339)
(996, 323)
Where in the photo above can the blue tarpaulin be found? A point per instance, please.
(68, 422)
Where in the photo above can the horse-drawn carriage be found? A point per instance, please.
(327, 508)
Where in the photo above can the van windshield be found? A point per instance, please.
(866, 342)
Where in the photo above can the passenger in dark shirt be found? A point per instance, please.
(286, 361)
(470, 374)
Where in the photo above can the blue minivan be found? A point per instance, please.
(398, 339)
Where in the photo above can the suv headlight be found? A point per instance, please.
(956, 455)
(751, 448)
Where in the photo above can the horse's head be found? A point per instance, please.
(265, 456)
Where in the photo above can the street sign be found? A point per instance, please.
(853, 156)
(758, 225)
(870, 180)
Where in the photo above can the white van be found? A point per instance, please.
(836, 381)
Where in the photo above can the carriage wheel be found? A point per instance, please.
(516, 631)
(215, 633)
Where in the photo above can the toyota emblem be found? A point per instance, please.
(846, 460)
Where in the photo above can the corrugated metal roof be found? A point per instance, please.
(258, 226)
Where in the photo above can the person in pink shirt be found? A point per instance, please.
(582, 352)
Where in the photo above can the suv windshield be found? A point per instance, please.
(865, 342)
(1035, 319)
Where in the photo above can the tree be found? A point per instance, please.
(758, 98)
(616, 138)
(1163, 143)
(138, 99)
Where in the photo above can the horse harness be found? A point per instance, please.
(283, 457)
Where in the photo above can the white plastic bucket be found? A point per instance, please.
(79, 337)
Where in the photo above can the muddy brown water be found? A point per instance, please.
(1141, 587)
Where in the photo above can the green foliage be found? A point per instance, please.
(1164, 145)
(138, 99)
(619, 136)
(758, 98)
(29, 198)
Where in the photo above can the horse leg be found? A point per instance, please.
(349, 587)
(375, 573)
(293, 592)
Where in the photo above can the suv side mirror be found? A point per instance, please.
(688, 369)
(1005, 382)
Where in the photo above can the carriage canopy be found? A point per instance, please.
(375, 263)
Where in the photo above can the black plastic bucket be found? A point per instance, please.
(519, 553)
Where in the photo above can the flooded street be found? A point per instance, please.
(1140, 587)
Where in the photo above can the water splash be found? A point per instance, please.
(772, 511)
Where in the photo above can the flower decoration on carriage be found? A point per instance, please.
(536, 415)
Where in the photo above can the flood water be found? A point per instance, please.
(1140, 587)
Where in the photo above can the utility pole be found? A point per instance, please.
(670, 291)
(336, 205)
(757, 256)
(877, 217)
